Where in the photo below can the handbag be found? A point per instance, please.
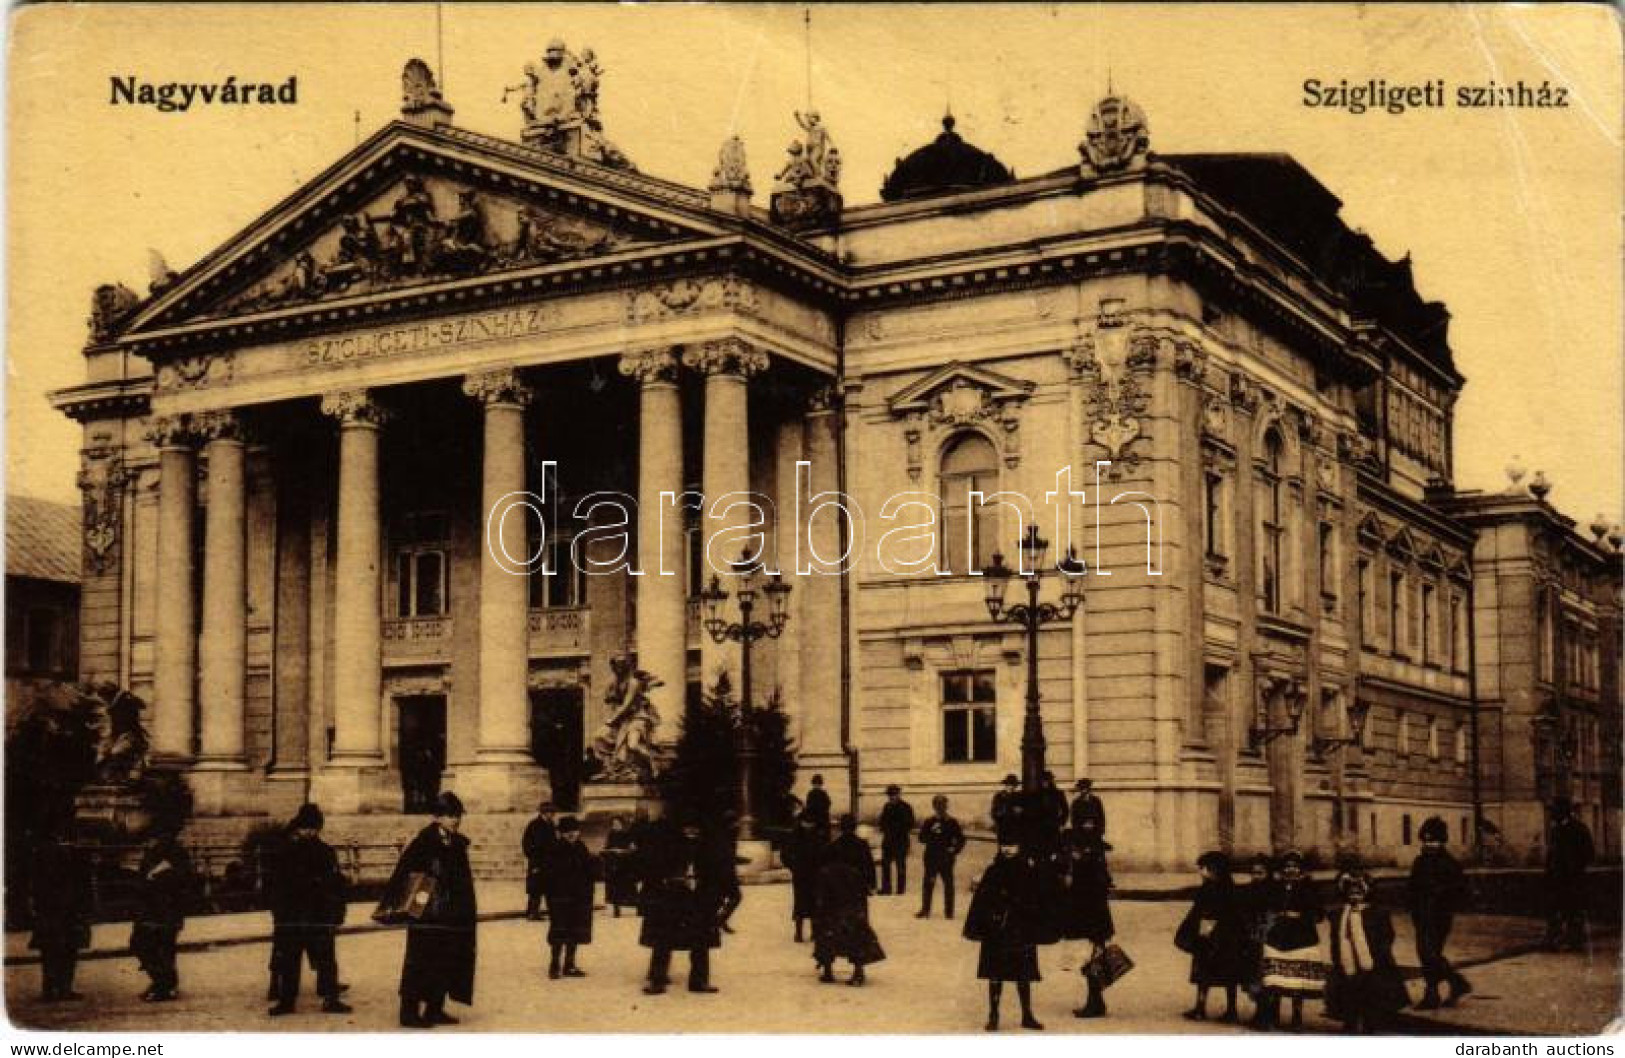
(1108, 965)
(410, 902)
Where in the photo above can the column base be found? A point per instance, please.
(500, 781)
(343, 788)
(221, 788)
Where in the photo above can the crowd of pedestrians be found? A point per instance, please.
(1271, 939)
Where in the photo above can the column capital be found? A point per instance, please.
(651, 366)
(225, 425)
(172, 431)
(823, 400)
(502, 385)
(726, 356)
(354, 407)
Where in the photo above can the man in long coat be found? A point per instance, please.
(536, 843)
(680, 900)
(307, 906)
(803, 854)
(440, 944)
(1568, 854)
(841, 927)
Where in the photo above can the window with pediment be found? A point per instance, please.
(1272, 523)
(969, 530)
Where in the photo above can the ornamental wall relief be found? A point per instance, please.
(956, 397)
(102, 480)
(1114, 364)
(684, 297)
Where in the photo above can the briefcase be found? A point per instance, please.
(410, 903)
(1108, 965)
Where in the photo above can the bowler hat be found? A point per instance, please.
(569, 825)
(1083, 784)
(448, 804)
(893, 789)
(1434, 829)
(309, 817)
(1011, 780)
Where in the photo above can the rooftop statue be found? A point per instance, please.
(807, 187)
(559, 100)
(1117, 137)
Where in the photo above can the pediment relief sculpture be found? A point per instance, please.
(426, 229)
(959, 396)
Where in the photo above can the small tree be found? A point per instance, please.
(774, 776)
(700, 781)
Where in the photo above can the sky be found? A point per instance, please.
(1511, 216)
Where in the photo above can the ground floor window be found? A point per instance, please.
(969, 716)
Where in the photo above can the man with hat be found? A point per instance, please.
(307, 907)
(537, 842)
(896, 824)
(818, 804)
(942, 839)
(1437, 891)
(1569, 852)
(1007, 812)
(440, 942)
(1087, 806)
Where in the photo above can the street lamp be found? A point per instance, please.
(746, 631)
(1259, 737)
(1357, 714)
(1031, 615)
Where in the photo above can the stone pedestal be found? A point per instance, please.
(499, 786)
(345, 789)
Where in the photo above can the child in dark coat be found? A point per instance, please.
(1214, 933)
(1088, 913)
(570, 879)
(1004, 918)
(1364, 986)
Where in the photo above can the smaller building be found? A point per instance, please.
(1546, 652)
(42, 591)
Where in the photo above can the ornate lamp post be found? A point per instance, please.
(745, 631)
(1032, 615)
(1357, 714)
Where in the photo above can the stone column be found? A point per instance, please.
(504, 774)
(175, 663)
(357, 631)
(727, 364)
(223, 639)
(662, 624)
(821, 749)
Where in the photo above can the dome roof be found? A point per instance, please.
(945, 165)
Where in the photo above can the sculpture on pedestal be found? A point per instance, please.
(559, 101)
(807, 189)
(623, 747)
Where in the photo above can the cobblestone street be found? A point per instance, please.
(768, 984)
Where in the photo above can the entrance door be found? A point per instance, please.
(422, 747)
(557, 742)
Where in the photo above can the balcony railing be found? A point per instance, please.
(417, 636)
(561, 630)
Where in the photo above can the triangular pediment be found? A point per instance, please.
(417, 207)
(956, 387)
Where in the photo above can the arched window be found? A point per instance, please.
(1273, 523)
(969, 531)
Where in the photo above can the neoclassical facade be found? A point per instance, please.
(1186, 367)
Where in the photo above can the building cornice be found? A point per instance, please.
(118, 399)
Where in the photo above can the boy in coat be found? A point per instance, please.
(1364, 987)
(165, 877)
(570, 879)
(307, 907)
(1437, 890)
(942, 839)
(1088, 914)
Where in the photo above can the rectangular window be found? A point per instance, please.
(1328, 561)
(421, 576)
(1429, 650)
(1398, 617)
(1365, 601)
(1213, 515)
(1405, 829)
(969, 717)
(558, 584)
(1373, 828)
(1458, 632)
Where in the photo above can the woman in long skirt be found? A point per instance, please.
(841, 927)
(440, 943)
(620, 872)
(1214, 933)
(1003, 918)
(1088, 914)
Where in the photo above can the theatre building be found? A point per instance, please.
(1185, 366)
